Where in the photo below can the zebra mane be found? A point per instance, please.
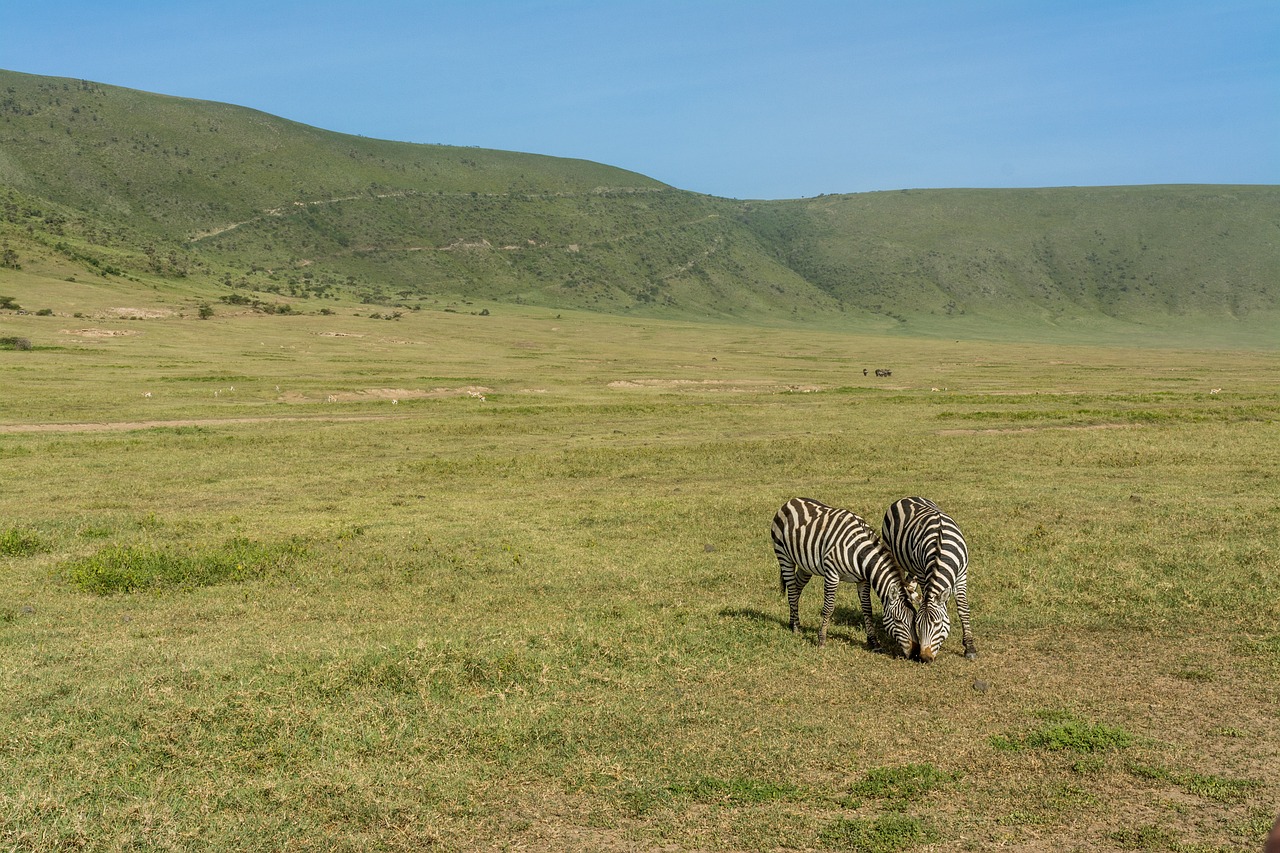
(931, 568)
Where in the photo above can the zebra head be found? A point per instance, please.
(933, 625)
(900, 623)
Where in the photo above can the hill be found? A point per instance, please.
(166, 191)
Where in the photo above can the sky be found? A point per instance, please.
(734, 98)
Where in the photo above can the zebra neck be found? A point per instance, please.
(882, 571)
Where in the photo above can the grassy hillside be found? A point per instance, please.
(1056, 257)
(118, 184)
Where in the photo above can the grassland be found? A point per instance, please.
(470, 581)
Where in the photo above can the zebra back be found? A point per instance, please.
(829, 541)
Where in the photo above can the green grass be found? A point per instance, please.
(882, 835)
(266, 608)
(124, 569)
(1064, 731)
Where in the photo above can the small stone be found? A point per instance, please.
(981, 686)
(709, 549)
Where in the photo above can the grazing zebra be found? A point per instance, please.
(928, 543)
(811, 538)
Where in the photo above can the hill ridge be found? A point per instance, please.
(117, 182)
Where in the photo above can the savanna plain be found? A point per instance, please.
(500, 578)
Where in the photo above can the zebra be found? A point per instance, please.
(811, 538)
(928, 543)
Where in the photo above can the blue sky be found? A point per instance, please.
(738, 99)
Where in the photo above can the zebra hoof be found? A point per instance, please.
(970, 653)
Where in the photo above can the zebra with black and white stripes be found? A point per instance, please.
(927, 543)
(811, 538)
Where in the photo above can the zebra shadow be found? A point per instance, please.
(846, 623)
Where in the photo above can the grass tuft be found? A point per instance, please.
(900, 785)
(1214, 788)
(17, 542)
(1145, 838)
(886, 834)
(1065, 732)
(734, 790)
(126, 569)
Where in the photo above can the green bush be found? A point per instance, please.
(15, 343)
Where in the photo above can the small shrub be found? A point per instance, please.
(15, 343)
(45, 312)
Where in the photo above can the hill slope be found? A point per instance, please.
(1200, 254)
(116, 182)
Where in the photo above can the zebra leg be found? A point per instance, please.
(829, 586)
(962, 608)
(787, 578)
(796, 585)
(864, 600)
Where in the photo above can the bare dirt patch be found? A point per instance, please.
(409, 393)
(1008, 430)
(712, 385)
(99, 333)
(394, 394)
(141, 313)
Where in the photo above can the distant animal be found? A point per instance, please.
(928, 543)
(811, 538)
(882, 372)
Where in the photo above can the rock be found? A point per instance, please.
(981, 686)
